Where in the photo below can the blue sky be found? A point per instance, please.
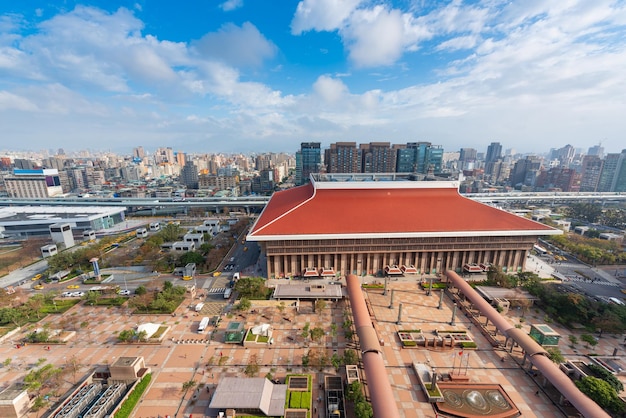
(252, 75)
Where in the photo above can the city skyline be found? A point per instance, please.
(235, 76)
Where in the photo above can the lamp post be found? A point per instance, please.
(453, 314)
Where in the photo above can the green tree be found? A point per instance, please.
(305, 331)
(141, 290)
(320, 305)
(607, 376)
(555, 355)
(586, 211)
(355, 392)
(171, 232)
(350, 357)
(251, 287)
(336, 361)
(589, 339)
(191, 257)
(601, 393)
(126, 335)
(189, 384)
(317, 333)
(363, 409)
(244, 304)
(252, 368)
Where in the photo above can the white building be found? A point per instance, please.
(42, 183)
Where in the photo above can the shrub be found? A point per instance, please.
(468, 344)
(129, 404)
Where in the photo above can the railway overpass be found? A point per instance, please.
(257, 203)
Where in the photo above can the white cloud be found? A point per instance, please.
(231, 5)
(378, 36)
(14, 102)
(322, 15)
(329, 89)
(237, 46)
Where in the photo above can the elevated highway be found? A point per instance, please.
(256, 203)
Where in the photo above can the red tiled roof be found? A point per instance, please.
(422, 210)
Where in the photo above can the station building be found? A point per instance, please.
(373, 227)
(30, 221)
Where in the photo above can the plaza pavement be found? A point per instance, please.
(173, 364)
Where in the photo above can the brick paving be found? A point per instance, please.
(173, 364)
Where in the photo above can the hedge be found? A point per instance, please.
(129, 404)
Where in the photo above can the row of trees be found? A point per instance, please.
(590, 250)
(568, 308)
(164, 301)
(594, 213)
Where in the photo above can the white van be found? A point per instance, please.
(227, 293)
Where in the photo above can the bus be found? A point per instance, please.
(203, 324)
(155, 226)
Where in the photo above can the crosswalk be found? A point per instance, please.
(217, 290)
(600, 281)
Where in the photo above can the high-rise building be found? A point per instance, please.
(619, 184)
(610, 175)
(419, 157)
(23, 164)
(564, 155)
(139, 153)
(494, 152)
(33, 183)
(308, 160)
(342, 157)
(590, 173)
(377, 157)
(558, 179)
(525, 172)
(468, 154)
(189, 175)
(180, 158)
(597, 150)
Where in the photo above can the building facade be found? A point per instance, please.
(363, 227)
(42, 183)
(308, 161)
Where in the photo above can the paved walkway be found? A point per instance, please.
(206, 363)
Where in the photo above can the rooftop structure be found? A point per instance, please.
(363, 226)
(249, 395)
(35, 220)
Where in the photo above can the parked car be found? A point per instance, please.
(66, 294)
(124, 292)
(78, 294)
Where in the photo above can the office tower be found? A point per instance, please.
(597, 150)
(619, 182)
(612, 170)
(33, 183)
(308, 160)
(139, 153)
(180, 158)
(525, 172)
(418, 157)
(494, 152)
(590, 173)
(189, 175)
(23, 164)
(377, 157)
(342, 157)
(468, 155)
(564, 155)
(558, 179)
